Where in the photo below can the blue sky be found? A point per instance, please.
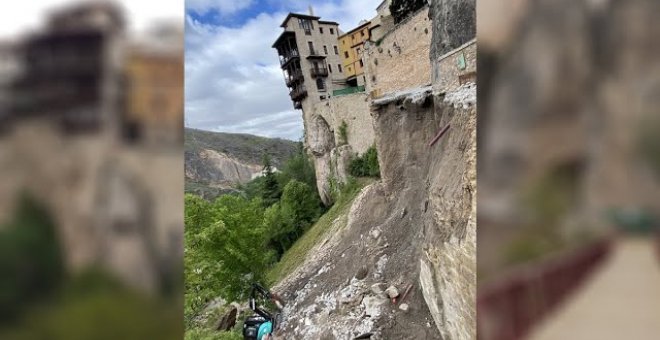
(233, 79)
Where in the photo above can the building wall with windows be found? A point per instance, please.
(400, 60)
(154, 98)
(351, 46)
(309, 57)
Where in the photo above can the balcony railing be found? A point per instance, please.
(293, 78)
(348, 90)
(314, 53)
(318, 72)
(298, 93)
(287, 57)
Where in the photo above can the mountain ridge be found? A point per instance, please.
(216, 162)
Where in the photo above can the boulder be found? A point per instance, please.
(228, 319)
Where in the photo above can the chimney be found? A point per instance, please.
(311, 10)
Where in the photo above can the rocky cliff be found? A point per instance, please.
(415, 228)
(567, 86)
(216, 162)
(401, 264)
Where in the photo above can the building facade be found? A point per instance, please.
(10, 69)
(153, 75)
(309, 56)
(383, 22)
(72, 68)
(351, 46)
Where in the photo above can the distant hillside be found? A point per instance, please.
(215, 162)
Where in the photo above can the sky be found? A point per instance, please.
(233, 81)
(233, 78)
(20, 17)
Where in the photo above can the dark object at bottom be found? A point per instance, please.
(251, 327)
(364, 336)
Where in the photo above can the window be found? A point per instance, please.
(339, 67)
(362, 33)
(325, 49)
(361, 64)
(330, 68)
(321, 30)
(332, 31)
(343, 42)
(320, 84)
(311, 47)
(346, 55)
(306, 25)
(336, 50)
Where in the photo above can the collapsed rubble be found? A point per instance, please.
(370, 278)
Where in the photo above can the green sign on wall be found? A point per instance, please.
(461, 61)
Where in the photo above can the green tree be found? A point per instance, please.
(287, 220)
(298, 167)
(302, 202)
(225, 250)
(271, 190)
(365, 165)
(401, 9)
(281, 228)
(31, 262)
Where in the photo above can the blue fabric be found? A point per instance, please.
(265, 328)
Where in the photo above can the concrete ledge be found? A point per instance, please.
(415, 93)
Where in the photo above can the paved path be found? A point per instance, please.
(621, 300)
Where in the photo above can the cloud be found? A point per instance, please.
(30, 15)
(225, 7)
(233, 78)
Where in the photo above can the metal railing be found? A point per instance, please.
(315, 53)
(510, 307)
(319, 72)
(293, 78)
(348, 90)
(298, 93)
(287, 57)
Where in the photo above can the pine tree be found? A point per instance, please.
(271, 190)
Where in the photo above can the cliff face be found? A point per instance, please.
(325, 141)
(218, 168)
(216, 162)
(567, 92)
(454, 24)
(413, 233)
(415, 227)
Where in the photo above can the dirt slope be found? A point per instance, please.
(421, 212)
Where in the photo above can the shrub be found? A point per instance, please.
(31, 260)
(365, 165)
(343, 133)
(288, 220)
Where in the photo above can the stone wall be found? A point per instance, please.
(455, 68)
(354, 110)
(324, 143)
(437, 186)
(116, 207)
(401, 59)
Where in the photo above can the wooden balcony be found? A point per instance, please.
(298, 93)
(319, 71)
(294, 78)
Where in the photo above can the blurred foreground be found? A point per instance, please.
(569, 157)
(91, 124)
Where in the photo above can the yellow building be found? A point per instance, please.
(154, 94)
(351, 46)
